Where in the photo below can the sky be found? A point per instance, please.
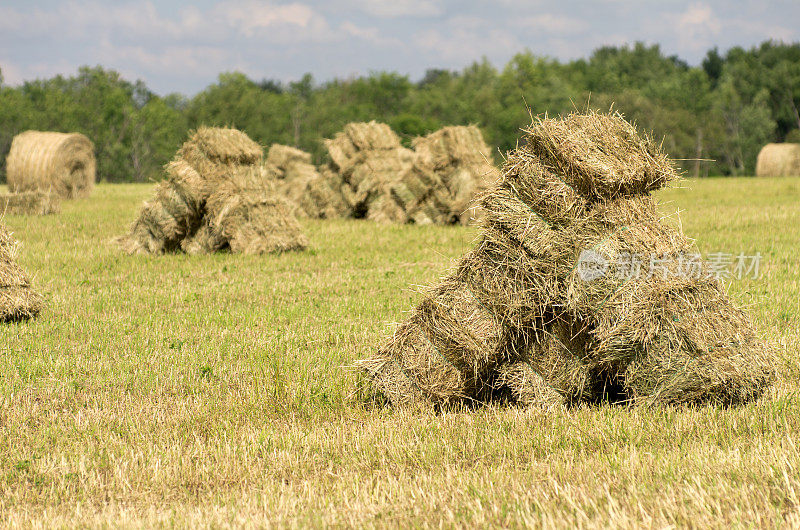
(182, 47)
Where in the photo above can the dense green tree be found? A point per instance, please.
(724, 109)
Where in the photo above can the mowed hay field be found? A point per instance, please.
(216, 390)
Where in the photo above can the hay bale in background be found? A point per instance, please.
(217, 195)
(245, 213)
(310, 194)
(18, 300)
(282, 156)
(29, 203)
(174, 213)
(462, 162)
(779, 160)
(60, 163)
(366, 159)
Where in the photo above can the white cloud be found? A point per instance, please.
(696, 28)
(370, 34)
(465, 39)
(252, 16)
(401, 8)
(549, 23)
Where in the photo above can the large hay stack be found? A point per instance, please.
(18, 300)
(299, 181)
(778, 160)
(60, 163)
(29, 203)
(217, 195)
(550, 284)
(365, 160)
(462, 164)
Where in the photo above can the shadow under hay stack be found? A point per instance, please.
(18, 300)
(579, 184)
(217, 195)
(52, 162)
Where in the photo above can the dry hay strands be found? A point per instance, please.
(422, 195)
(526, 386)
(367, 186)
(223, 145)
(283, 156)
(61, 163)
(778, 160)
(527, 181)
(29, 203)
(444, 354)
(18, 300)
(668, 333)
(311, 194)
(174, 213)
(686, 342)
(247, 214)
(601, 155)
(213, 151)
(463, 163)
(345, 147)
(451, 146)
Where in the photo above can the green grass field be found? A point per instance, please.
(218, 390)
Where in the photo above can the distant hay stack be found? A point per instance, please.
(18, 301)
(29, 203)
(245, 215)
(462, 164)
(779, 160)
(365, 160)
(50, 161)
(310, 194)
(217, 196)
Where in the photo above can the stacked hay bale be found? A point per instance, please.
(299, 181)
(18, 300)
(29, 203)
(365, 160)
(462, 164)
(59, 163)
(549, 285)
(778, 160)
(216, 196)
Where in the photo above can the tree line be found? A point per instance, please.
(713, 117)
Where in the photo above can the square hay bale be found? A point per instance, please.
(282, 156)
(246, 212)
(444, 351)
(601, 155)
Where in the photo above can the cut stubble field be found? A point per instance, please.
(218, 390)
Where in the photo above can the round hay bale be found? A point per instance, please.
(778, 160)
(50, 161)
